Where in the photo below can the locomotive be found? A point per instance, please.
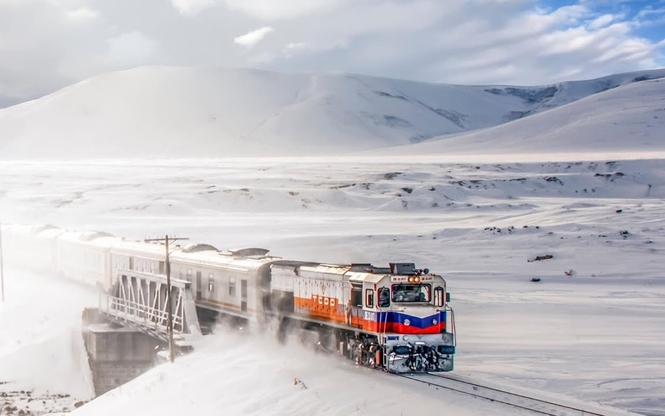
(397, 318)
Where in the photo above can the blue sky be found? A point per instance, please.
(48, 44)
(648, 16)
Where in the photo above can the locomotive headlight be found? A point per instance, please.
(407, 322)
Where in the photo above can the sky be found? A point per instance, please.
(48, 44)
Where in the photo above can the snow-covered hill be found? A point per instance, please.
(163, 111)
(626, 119)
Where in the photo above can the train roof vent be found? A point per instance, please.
(94, 235)
(195, 248)
(249, 252)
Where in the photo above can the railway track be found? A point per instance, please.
(515, 400)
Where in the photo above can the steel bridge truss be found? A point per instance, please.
(139, 299)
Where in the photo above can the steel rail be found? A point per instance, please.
(518, 395)
(554, 412)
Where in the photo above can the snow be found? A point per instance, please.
(592, 198)
(629, 118)
(265, 379)
(193, 112)
(595, 336)
(41, 348)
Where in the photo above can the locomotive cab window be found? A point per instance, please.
(438, 296)
(384, 297)
(421, 292)
(369, 298)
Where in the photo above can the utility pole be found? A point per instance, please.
(169, 310)
(2, 270)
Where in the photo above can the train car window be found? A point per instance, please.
(384, 297)
(189, 272)
(211, 282)
(412, 293)
(438, 296)
(161, 267)
(369, 298)
(232, 287)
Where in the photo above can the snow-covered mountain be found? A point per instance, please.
(164, 111)
(626, 119)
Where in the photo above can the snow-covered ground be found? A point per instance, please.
(43, 363)
(595, 336)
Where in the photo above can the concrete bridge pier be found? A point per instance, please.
(116, 354)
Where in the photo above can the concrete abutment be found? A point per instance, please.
(116, 354)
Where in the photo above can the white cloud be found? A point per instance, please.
(47, 44)
(601, 21)
(130, 49)
(82, 14)
(295, 48)
(192, 7)
(252, 38)
(282, 9)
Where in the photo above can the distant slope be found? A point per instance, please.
(556, 95)
(629, 118)
(175, 112)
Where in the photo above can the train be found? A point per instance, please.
(397, 318)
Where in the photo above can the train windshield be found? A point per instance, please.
(412, 293)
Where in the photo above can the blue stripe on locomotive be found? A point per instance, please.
(400, 318)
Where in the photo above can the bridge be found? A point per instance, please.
(133, 321)
(140, 300)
